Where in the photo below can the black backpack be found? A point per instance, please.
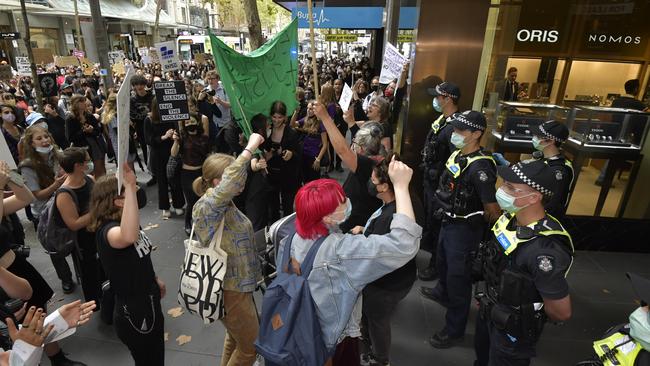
(56, 239)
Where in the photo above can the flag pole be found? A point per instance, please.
(314, 64)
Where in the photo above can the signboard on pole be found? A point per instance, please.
(405, 38)
(43, 56)
(172, 101)
(23, 66)
(48, 84)
(391, 67)
(346, 97)
(123, 119)
(115, 57)
(168, 56)
(9, 35)
(5, 153)
(341, 37)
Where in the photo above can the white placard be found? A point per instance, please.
(168, 56)
(69, 38)
(115, 57)
(5, 153)
(391, 67)
(123, 119)
(346, 97)
(23, 66)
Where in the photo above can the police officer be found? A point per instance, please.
(437, 148)
(466, 199)
(547, 139)
(628, 344)
(524, 265)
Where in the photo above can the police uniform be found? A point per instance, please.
(437, 148)
(562, 168)
(521, 266)
(466, 184)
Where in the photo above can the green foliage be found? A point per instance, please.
(231, 13)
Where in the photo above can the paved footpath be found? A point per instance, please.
(601, 297)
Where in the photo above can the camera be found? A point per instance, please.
(211, 93)
(21, 251)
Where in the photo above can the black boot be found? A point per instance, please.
(60, 359)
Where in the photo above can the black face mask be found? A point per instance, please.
(372, 189)
(141, 194)
(374, 88)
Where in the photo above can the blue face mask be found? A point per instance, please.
(348, 212)
(90, 167)
(640, 327)
(507, 201)
(537, 144)
(458, 140)
(436, 105)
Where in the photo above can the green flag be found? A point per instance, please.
(254, 81)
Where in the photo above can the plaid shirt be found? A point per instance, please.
(243, 267)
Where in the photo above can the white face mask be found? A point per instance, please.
(43, 150)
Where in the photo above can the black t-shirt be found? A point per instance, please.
(83, 205)
(129, 269)
(356, 189)
(400, 278)
(628, 103)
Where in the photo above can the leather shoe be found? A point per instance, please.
(428, 274)
(68, 286)
(433, 295)
(441, 340)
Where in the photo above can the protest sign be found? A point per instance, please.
(115, 57)
(123, 119)
(78, 53)
(48, 84)
(346, 97)
(87, 66)
(6, 73)
(5, 153)
(23, 66)
(168, 56)
(43, 56)
(153, 53)
(172, 101)
(118, 68)
(254, 81)
(391, 67)
(199, 58)
(64, 61)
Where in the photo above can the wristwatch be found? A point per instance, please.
(16, 178)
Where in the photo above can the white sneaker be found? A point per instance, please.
(179, 211)
(166, 214)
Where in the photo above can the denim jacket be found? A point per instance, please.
(345, 263)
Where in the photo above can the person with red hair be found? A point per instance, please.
(346, 263)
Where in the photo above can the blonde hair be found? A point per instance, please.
(110, 109)
(327, 94)
(102, 202)
(213, 168)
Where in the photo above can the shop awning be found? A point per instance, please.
(120, 9)
(8, 5)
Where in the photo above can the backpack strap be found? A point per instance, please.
(70, 192)
(308, 262)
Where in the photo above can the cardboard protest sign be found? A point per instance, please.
(6, 73)
(23, 65)
(153, 54)
(123, 120)
(199, 58)
(48, 84)
(43, 56)
(391, 67)
(87, 66)
(118, 68)
(168, 56)
(346, 97)
(172, 101)
(5, 153)
(115, 57)
(64, 61)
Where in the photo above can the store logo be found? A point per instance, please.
(319, 18)
(608, 38)
(538, 35)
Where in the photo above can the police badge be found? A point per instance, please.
(482, 176)
(559, 175)
(545, 263)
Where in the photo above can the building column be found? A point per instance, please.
(63, 45)
(17, 24)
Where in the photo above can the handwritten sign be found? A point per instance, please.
(391, 68)
(168, 56)
(115, 57)
(5, 153)
(118, 68)
(172, 101)
(23, 66)
(199, 58)
(346, 97)
(87, 66)
(48, 84)
(43, 56)
(123, 119)
(153, 53)
(63, 61)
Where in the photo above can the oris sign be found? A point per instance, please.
(538, 35)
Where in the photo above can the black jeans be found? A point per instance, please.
(159, 159)
(494, 348)
(187, 178)
(139, 324)
(432, 224)
(92, 274)
(308, 173)
(282, 197)
(378, 307)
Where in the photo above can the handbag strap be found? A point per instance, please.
(216, 238)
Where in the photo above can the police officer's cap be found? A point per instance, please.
(446, 89)
(468, 120)
(641, 286)
(534, 173)
(552, 130)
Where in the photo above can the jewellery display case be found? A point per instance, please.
(603, 128)
(516, 120)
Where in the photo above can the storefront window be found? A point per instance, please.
(45, 38)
